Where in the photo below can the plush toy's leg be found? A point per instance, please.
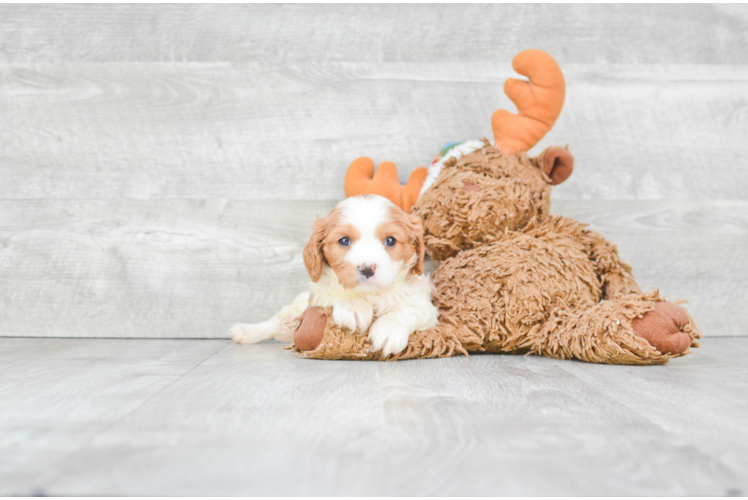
(614, 274)
(668, 328)
(636, 329)
(319, 337)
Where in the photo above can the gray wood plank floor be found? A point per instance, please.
(208, 417)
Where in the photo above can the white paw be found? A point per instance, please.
(388, 337)
(353, 314)
(243, 333)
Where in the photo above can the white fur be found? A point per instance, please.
(366, 213)
(277, 327)
(456, 152)
(390, 313)
(391, 305)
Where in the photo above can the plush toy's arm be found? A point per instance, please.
(615, 275)
(319, 337)
(633, 329)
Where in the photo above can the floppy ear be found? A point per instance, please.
(415, 233)
(557, 163)
(313, 256)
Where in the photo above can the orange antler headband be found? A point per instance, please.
(361, 179)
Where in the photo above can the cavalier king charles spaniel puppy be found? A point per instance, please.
(366, 261)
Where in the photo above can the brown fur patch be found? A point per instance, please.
(470, 186)
(457, 216)
(323, 248)
(313, 256)
(408, 232)
(335, 253)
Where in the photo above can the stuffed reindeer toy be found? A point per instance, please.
(511, 277)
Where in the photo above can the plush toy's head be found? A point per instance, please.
(486, 192)
(494, 188)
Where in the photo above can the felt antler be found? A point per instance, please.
(539, 102)
(361, 179)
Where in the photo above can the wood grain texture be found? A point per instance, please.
(191, 268)
(689, 34)
(161, 164)
(272, 131)
(57, 395)
(138, 268)
(255, 420)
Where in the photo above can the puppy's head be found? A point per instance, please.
(368, 242)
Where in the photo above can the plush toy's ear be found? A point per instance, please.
(557, 163)
(415, 233)
(313, 256)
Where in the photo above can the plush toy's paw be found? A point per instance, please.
(663, 328)
(353, 314)
(388, 336)
(311, 329)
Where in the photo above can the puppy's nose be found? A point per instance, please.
(367, 269)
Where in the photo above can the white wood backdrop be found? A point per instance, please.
(160, 164)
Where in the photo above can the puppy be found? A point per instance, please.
(365, 260)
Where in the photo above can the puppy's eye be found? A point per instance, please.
(345, 241)
(390, 241)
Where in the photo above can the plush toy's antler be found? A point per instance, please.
(361, 179)
(538, 102)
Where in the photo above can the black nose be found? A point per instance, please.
(367, 270)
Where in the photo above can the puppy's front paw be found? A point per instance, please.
(353, 314)
(243, 333)
(388, 336)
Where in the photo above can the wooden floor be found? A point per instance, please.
(209, 417)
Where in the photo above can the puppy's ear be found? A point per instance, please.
(415, 233)
(313, 256)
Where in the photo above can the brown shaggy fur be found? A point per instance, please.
(515, 279)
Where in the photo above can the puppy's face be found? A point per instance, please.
(367, 241)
